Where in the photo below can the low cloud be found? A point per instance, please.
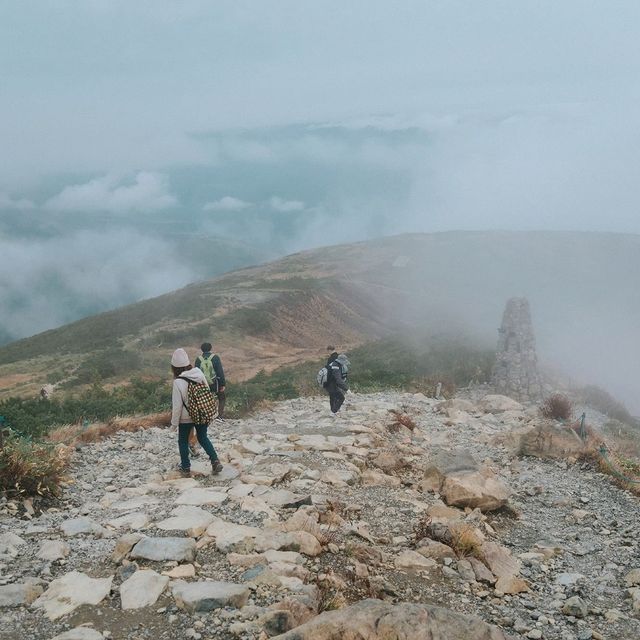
(61, 279)
(285, 206)
(146, 192)
(7, 202)
(228, 203)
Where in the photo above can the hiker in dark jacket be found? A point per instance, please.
(337, 384)
(209, 363)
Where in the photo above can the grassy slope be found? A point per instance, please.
(290, 310)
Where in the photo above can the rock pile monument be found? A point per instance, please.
(515, 373)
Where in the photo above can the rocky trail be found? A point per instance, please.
(402, 517)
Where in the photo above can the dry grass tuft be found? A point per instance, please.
(557, 407)
(73, 434)
(466, 542)
(28, 469)
(330, 597)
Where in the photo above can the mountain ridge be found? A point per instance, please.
(291, 309)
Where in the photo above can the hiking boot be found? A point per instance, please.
(193, 451)
(216, 467)
(220, 419)
(185, 473)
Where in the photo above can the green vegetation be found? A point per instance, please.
(400, 364)
(107, 364)
(249, 320)
(105, 330)
(28, 464)
(32, 418)
(376, 366)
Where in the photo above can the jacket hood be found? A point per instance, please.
(193, 374)
(344, 361)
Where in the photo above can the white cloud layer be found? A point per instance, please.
(148, 192)
(62, 278)
(286, 206)
(228, 203)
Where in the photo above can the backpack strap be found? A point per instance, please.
(184, 404)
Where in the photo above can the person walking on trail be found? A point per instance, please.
(192, 407)
(209, 363)
(337, 384)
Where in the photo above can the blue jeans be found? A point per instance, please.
(183, 442)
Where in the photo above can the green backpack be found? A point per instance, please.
(202, 405)
(206, 366)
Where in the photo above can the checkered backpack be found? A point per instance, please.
(202, 405)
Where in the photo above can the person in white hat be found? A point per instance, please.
(180, 419)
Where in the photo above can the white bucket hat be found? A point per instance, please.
(180, 358)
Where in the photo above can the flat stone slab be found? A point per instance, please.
(53, 550)
(130, 521)
(181, 484)
(80, 633)
(142, 589)
(232, 537)
(202, 468)
(133, 504)
(200, 496)
(9, 544)
(20, 593)
(192, 520)
(74, 589)
(83, 526)
(413, 561)
(161, 549)
(207, 596)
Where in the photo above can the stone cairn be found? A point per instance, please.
(515, 373)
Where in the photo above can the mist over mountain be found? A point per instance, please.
(150, 145)
(422, 287)
(310, 185)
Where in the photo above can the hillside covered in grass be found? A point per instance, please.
(581, 287)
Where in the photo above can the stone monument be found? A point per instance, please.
(515, 373)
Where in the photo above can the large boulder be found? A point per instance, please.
(378, 620)
(477, 490)
(462, 482)
(548, 440)
(495, 403)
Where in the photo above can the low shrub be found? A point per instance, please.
(557, 407)
(30, 468)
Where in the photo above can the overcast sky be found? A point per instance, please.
(265, 122)
(110, 86)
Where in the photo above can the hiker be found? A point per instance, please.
(209, 363)
(337, 385)
(184, 376)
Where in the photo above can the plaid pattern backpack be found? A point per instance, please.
(202, 405)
